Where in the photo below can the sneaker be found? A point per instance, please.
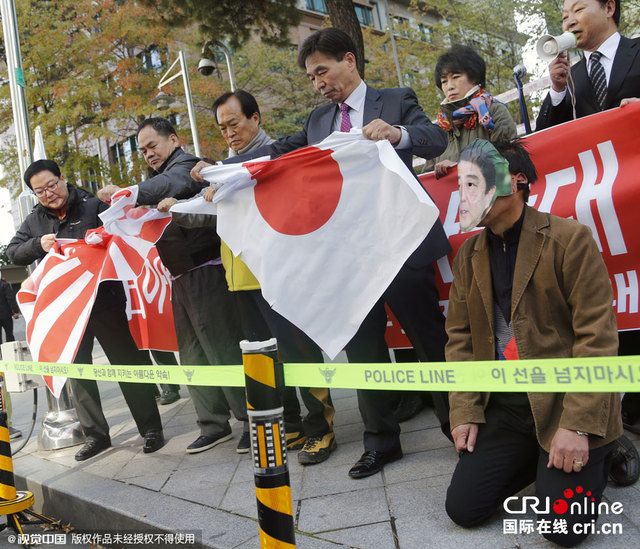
(169, 397)
(244, 445)
(203, 442)
(317, 449)
(14, 433)
(295, 440)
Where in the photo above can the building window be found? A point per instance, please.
(122, 154)
(426, 33)
(317, 5)
(400, 26)
(365, 15)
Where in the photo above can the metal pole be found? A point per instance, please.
(393, 45)
(523, 104)
(227, 56)
(190, 107)
(264, 381)
(17, 86)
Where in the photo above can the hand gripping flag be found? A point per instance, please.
(325, 229)
(56, 300)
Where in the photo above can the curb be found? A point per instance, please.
(97, 505)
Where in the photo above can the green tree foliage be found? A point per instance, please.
(84, 64)
(282, 89)
(234, 21)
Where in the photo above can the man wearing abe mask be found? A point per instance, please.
(521, 289)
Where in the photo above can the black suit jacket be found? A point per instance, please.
(624, 82)
(396, 106)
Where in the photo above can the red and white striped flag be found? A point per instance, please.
(56, 300)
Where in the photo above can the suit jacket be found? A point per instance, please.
(561, 307)
(396, 106)
(624, 82)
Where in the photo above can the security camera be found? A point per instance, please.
(206, 66)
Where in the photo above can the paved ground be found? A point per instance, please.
(211, 495)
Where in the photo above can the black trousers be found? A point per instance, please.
(507, 458)
(260, 322)
(108, 323)
(6, 323)
(166, 358)
(208, 331)
(413, 298)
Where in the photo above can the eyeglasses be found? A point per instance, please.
(48, 189)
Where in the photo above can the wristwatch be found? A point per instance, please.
(583, 433)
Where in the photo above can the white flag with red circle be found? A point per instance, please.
(325, 229)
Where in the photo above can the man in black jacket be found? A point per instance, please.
(8, 310)
(205, 315)
(67, 212)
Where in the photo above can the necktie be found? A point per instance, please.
(345, 126)
(598, 78)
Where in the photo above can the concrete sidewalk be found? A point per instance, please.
(212, 495)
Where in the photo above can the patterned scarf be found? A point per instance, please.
(469, 115)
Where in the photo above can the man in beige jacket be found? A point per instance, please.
(531, 285)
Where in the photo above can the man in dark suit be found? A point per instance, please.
(329, 58)
(607, 77)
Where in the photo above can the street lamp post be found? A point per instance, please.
(227, 55)
(163, 101)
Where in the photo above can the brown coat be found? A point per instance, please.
(561, 307)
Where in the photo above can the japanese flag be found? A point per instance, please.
(325, 229)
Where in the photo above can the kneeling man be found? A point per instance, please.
(530, 285)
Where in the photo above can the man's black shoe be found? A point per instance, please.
(152, 441)
(630, 422)
(409, 405)
(372, 462)
(625, 462)
(92, 447)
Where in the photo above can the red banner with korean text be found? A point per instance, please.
(149, 309)
(589, 170)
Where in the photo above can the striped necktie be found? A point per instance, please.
(345, 126)
(598, 78)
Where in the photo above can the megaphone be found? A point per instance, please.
(548, 47)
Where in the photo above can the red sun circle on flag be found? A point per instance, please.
(297, 193)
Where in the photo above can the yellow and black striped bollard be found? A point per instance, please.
(264, 380)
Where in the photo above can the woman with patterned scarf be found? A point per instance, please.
(468, 111)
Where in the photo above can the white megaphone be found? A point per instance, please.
(548, 47)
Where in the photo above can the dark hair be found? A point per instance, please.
(461, 59)
(332, 42)
(481, 158)
(616, 11)
(161, 125)
(248, 103)
(40, 166)
(519, 162)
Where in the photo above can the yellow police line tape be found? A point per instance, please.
(593, 374)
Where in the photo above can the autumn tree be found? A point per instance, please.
(88, 77)
(231, 20)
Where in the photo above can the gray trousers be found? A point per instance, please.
(208, 331)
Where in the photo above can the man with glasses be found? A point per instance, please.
(67, 212)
